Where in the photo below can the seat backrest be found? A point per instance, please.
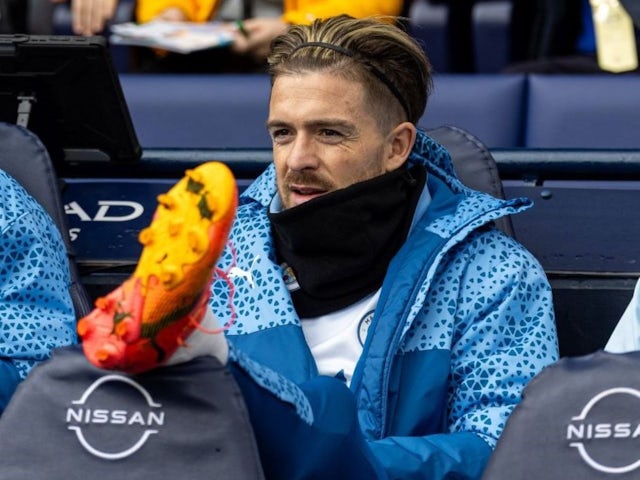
(70, 421)
(25, 158)
(199, 111)
(578, 419)
(491, 107)
(474, 164)
(230, 110)
(583, 111)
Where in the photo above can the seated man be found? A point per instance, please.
(36, 309)
(377, 323)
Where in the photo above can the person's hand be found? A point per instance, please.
(90, 16)
(254, 38)
(172, 14)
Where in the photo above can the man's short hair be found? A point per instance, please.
(390, 63)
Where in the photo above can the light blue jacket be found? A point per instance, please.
(464, 321)
(36, 311)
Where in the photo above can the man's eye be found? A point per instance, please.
(327, 132)
(279, 133)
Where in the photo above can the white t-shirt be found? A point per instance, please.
(336, 339)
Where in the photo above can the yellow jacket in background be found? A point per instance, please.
(295, 11)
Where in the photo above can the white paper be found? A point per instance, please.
(180, 37)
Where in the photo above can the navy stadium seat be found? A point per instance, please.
(583, 111)
(578, 419)
(70, 421)
(491, 107)
(474, 164)
(230, 111)
(198, 111)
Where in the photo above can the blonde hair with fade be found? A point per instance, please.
(390, 64)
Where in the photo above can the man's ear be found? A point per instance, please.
(401, 140)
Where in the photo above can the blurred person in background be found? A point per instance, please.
(254, 23)
(558, 36)
(90, 17)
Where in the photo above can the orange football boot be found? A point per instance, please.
(140, 324)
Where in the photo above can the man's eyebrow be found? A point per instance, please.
(276, 123)
(326, 123)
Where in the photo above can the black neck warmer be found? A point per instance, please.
(338, 246)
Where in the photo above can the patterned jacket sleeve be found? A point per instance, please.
(36, 310)
(503, 334)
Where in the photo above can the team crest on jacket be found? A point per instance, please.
(289, 278)
(363, 326)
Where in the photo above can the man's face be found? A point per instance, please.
(325, 136)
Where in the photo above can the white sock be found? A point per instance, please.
(201, 343)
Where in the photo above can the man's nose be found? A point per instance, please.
(303, 154)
